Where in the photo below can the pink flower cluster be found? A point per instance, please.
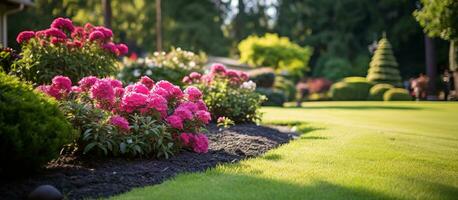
(217, 71)
(63, 32)
(198, 142)
(181, 111)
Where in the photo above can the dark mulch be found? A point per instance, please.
(84, 178)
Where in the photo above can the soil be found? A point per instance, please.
(79, 178)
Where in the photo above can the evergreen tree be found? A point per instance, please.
(383, 67)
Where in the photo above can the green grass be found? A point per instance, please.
(350, 150)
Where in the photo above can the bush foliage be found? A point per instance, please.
(228, 93)
(350, 89)
(383, 67)
(397, 94)
(263, 77)
(280, 53)
(171, 66)
(32, 128)
(274, 97)
(377, 91)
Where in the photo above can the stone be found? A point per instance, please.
(46, 192)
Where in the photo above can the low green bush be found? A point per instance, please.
(377, 91)
(32, 128)
(274, 97)
(350, 89)
(263, 77)
(281, 53)
(397, 94)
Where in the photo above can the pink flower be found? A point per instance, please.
(51, 91)
(221, 120)
(244, 76)
(114, 82)
(76, 89)
(106, 31)
(203, 116)
(186, 80)
(232, 73)
(103, 91)
(175, 121)
(189, 106)
(201, 105)
(149, 83)
(96, 35)
(25, 36)
(133, 101)
(88, 27)
(79, 33)
(176, 92)
(165, 85)
(218, 69)
(54, 32)
(158, 103)
(138, 88)
(200, 143)
(62, 83)
(111, 47)
(122, 49)
(193, 93)
(64, 24)
(160, 91)
(185, 138)
(119, 92)
(183, 113)
(119, 122)
(87, 82)
(195, 75)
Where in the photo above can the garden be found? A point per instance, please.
(233, 99)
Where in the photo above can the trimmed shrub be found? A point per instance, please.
(318, 97)
(263, 77)
(32, 128)
(397, 94)
(65, 49)
(383, 67)
(286, 86)
(172, 66)
(278, 52)
(228, 93)
(350, 89)
(377, 91)
(274, 97)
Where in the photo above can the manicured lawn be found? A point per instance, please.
(351, 150)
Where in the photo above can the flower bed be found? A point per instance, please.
(145, 118)
(82, 179)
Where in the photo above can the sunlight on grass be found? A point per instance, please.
(348, 150)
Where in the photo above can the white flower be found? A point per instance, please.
(249, 85)
(141, 60)
(129, 141)
(136, 73)
(192, 64)
(149, 72)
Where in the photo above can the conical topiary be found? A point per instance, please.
(383, 67)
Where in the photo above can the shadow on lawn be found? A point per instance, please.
(250, 186)
(360, 107)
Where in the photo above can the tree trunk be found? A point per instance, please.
(453, 62)
(431, 68)
(158, 26)
(106, 4)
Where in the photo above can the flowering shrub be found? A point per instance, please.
(65, 49)
(172, 66)
(139, 119)
(7, 57)
(227, 93)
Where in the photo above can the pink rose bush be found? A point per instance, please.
(88, 49)
(138, 119)
(227, 93)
